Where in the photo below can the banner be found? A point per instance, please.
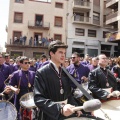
(112, 36)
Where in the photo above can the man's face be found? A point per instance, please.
(95, 62)
(103, 60)
(1, 60)
(25, 65)
(7, 59)
(75, 59)
(59, 56)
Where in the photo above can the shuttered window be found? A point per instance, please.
(57, 37)
(58, 21)
(18, 17)
(79, 32)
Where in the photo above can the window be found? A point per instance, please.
(18, 17)
(79, 32)
(15, 54)
(96, 16)
(16, 36)
(58, 21)
(19, 1)
(58, 5)
(104, 34)
(91, 33)
(57, 37)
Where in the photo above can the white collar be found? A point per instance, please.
(55, 66)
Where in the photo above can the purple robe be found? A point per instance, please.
(80, 71)
(19, 77)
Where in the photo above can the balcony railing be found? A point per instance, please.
(108, 26)
(38, 25)
(81, 19)
(112, 15)
(81, 4)
(96, 22)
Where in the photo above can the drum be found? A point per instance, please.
(110, 110)
(27, 101)
(84, 117)
(7, 111)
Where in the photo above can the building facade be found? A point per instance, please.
(113, 18)
(82, 24)
(33, 24)
(87, 28)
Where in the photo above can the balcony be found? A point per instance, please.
(111, 3)
(81, 5)
(81, 19)
(96, 22)
(38, 25)
(112, 17)
(108, 26)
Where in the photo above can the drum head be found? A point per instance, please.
(83, 117)
(27, 101)
(7, 111)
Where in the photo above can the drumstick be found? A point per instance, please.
(105, 114)
(77, 108)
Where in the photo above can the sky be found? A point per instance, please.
(4, 11)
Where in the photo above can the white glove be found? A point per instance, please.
(115, 93)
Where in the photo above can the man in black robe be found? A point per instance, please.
(52, 90)
(102, 82)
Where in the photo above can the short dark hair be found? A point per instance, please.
(23, 58)
(54, 45)
(43, 56)
(76, 53)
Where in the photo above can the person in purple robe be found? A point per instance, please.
(80, 73)
(32, 67)
(16, 65)
(23, 80)
(5, 71)
(94, 63)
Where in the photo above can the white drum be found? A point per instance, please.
(80, 118)
(7, 111)
(27, 101)
(111, 109)
(84, 117)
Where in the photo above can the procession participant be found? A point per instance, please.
(94, 63)
(52, 90)
(4, 72)
(80, 73)
(116, 72)
(16, 65)
(23, 80)
(44, 61)
(101, 81)
(86, 60)
(32, 67)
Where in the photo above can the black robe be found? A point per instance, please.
(47, 92)
(97, 81)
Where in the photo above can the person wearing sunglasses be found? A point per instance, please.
(22, 81)
(80, 73)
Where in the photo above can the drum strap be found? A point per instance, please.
(77, 84)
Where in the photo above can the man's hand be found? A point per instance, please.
(68, 110)
(7, 89)
(115, 94)
(109, 95)
(85, 79)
